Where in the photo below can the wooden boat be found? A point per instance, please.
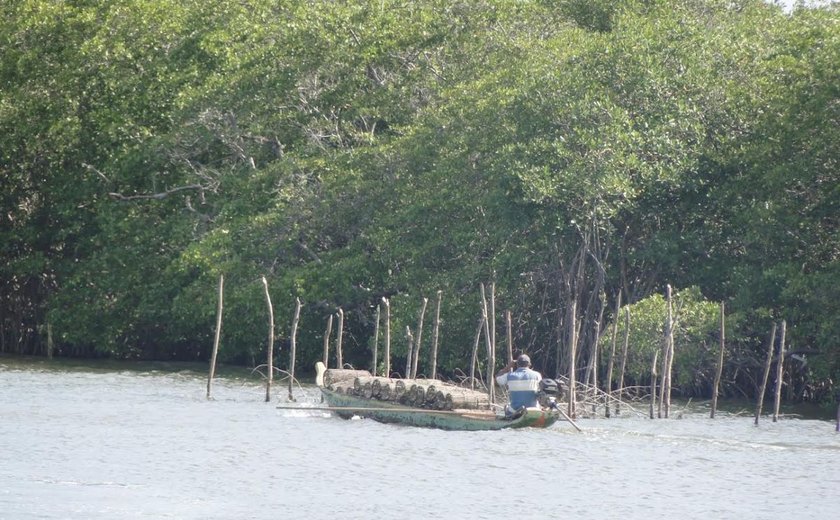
(345, 405)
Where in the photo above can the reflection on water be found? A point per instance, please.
(125, 444)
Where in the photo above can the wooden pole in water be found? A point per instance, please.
(218, 334)
(410, 354)
(327, 334)
(760, 402)
(474, 358)
(488, 341)
(653, 382)
(608, 382)
(270, 353)
(780, 365)
(572, 357)
(49, 340)
(339, 351)
(294, 348)
(419, 341)
(509, 324)
(435, 335)
(671, 352)
(667, 359)
(624, 349)
(491, 369)
(387, 337)
(837, 427)
(375, 342)
(719, 372)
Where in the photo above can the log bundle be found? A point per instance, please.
(431, 394)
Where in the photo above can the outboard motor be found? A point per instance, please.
(550, 392)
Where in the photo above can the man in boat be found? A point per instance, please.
(522, 383)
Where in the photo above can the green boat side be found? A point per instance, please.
(462, 420)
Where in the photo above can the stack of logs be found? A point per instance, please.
(418, 393)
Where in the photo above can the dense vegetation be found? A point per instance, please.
(562, 152)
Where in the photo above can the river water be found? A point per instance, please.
(112, 444)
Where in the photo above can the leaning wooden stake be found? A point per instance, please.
(716, 386)
(327, 335)
(338, 350)
(270, 353)
(387, 337)
(294, 348)
(623, 359)
(218, 334)
(474, 358)
(760, 402)
(488, 340)
(435, 335)
(780, 364)
(608, 382)
(419, 341)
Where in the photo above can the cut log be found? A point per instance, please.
(334, 376)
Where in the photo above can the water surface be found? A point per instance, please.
(104, 444)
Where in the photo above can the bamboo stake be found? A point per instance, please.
(327, 335)
(294, 348)
(780, 365)
(608, 382)
(760, 402)
(435, 334)
(270, 353)
(475, 352)
(419, 341)
(387, 337)
(719, 371)
(338, 350)
(218, 334)
(623, 358)
(375, 342)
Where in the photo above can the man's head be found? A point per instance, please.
(523, 361)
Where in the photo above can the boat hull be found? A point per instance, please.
(464, 420)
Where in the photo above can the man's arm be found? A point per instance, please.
(506, 369)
